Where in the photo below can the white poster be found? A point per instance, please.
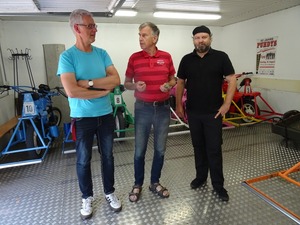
(265, 56)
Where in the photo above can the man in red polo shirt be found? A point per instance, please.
(150, 73)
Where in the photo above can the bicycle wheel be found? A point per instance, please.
(54, 116)
(32, 140)
(248, 108)
(120, 124)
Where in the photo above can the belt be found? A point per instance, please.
(155, 103)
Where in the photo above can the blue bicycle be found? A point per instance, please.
(39, 120)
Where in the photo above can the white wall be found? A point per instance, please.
(239, 41)
(121, 40)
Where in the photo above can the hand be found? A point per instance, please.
(140, 86)
(179, 111)
(165, 87)
(222, 110)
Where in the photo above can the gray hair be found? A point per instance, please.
(154, 28)
(76, 17)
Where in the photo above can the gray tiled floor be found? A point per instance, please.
(48, 193)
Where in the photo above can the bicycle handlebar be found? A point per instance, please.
(17, 89)
(42, 90)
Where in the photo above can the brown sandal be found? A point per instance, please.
(134, 193)
(157, 188)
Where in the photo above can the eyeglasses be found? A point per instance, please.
(89, 26)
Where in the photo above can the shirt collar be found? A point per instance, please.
(146, 55)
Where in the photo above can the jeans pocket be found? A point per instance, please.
(167, 106)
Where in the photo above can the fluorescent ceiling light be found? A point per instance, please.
(128, 13)
(181, 15)
(212, 7)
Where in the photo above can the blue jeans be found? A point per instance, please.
(86, 128)
(147, 116)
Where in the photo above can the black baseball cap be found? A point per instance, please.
(201, 29)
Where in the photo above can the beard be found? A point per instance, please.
(202, 48)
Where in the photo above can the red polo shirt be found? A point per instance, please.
(153, 70)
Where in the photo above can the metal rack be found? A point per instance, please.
(15, 57)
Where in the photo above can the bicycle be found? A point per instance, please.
(39, 120)
(242, 107)
(173, 104)
(123, 118)
(250, 102)
(243, 101)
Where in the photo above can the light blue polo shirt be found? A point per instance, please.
(86, 65)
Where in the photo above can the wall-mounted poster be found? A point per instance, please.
(265, 56)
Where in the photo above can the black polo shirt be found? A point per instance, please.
(204, 78)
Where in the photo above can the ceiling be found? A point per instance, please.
(232, 11)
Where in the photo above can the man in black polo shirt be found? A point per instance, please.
(201, 73)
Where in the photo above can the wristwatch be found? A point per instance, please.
(91, 83)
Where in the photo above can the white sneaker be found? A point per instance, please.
(114, 202)
(86, 211)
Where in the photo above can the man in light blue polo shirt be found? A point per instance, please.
(88, 75)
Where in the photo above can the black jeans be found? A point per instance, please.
(206, 133)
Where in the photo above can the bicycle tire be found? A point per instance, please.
(248, 109)
(55, 116)
(120, 124)
(32, 140)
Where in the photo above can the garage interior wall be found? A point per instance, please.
(121, 40)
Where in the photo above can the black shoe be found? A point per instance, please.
(222, 194)
(197, 183)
